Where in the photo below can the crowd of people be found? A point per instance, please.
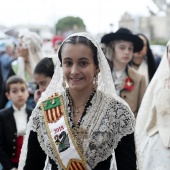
(89, 106)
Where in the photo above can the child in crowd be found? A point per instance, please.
(129, 84)
(13, 122)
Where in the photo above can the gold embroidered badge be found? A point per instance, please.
(52, 109)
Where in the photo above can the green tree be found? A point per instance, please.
(70, 23)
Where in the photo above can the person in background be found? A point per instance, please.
(43, 73)
(143, 61)
(11, 49)
(1, 84)
(83, 116)
(13, 123)
(57, 46)
(152, 131)
(129, 84)
(30, 53)
(47, 42)
(5, 62)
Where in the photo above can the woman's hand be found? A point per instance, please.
(37, 95)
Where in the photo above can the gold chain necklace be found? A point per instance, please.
(76, 112)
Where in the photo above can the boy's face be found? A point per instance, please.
(18, 94)
(123, 52)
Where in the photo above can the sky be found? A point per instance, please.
(96, 14)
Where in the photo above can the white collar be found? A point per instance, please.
(119, 73)
(21, 109)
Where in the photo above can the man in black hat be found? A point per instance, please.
(129, 85)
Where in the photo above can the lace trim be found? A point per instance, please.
(113, 122)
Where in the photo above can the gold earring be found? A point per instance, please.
(64, 83)
(95, 81)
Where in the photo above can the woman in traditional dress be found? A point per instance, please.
(79, 120)
(30, 53)
(143, 61)
(43, 74)
(152, 131)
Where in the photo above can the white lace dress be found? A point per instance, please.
(154, 150)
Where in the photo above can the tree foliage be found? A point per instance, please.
(70, 23)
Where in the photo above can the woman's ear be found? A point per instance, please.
(97, 70)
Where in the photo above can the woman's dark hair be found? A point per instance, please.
(150, 58)
(45, 66)
(80, 40)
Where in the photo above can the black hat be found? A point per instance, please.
(124, 34)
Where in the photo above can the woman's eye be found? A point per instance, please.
(43, 83)
(68, 63)
(83, 63)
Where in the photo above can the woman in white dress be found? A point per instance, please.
(30, 53)
(152, 131)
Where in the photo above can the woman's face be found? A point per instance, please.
(22, 51)
(123, 51)
(42, 80)
(139, 56)
(169, 54)
(78, 66)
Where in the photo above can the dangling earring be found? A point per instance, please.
(95, 81)
(64, 83)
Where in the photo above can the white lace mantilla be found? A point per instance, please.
(111, 121)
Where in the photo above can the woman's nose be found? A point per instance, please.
(42, 88)
(74, 69)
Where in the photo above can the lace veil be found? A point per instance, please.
(145, 113)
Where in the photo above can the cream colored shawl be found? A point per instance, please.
(152, 131)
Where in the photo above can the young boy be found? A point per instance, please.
(13, 122)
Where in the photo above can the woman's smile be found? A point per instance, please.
(76, 79)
